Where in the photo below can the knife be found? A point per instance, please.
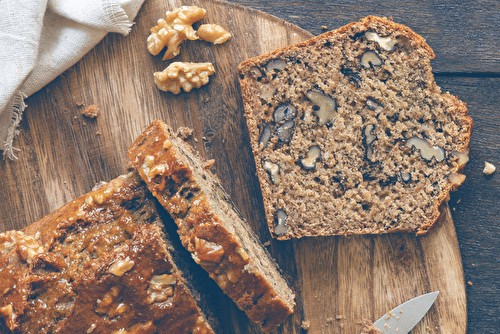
(404, 317)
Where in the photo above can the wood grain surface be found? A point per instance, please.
(340, 281)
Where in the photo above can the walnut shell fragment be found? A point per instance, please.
(183, 75)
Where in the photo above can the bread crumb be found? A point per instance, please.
(80, 104)
(195, 140)
(267, 243)
(488, 168)
(208, 164)
(207, 99)
(340, 317)
(470, 283)
(370, 328)
(91, 111)
(324, 27)
(306, 324)
(184, 132)
(98, 133)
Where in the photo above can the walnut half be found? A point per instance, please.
(183, 75)
(173, 30)
(213, 33)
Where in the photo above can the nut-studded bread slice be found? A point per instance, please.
(99, 264)
(210, 226)
(350, 133)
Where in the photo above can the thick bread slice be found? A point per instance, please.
(99, 264)
(350, 133)
(210, 226)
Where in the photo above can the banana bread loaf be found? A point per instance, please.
(351, 134)
(210, 226)
(99, 264)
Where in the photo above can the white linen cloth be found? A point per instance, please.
(40, 39)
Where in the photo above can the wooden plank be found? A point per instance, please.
(475, 206)
(463, 34)
(62, 158)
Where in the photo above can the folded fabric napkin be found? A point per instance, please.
(40, 39)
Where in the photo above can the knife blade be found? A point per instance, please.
(402, 318)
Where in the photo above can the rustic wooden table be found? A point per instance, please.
(465, 38)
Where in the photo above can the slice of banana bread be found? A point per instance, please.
(99, 264)
(210, 226)
(350, 133)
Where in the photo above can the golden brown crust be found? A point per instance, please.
(99, 265)
(210, 227)
(377, 76)
(418, 40)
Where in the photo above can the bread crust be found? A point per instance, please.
(211, 227)
(93, 267)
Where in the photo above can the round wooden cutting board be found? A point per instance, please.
(340, 281)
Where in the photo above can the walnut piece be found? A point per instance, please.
(284, 111)
(208, 251)
(370, 58)
(273, 170)
(426, 150)
(201, 326)
(275, 65)
(160, 288)
(489, 168)
(309, 162)
(213, 33)
(121, 266)
(110, 304)
(25, 245)
(385, 43)
(183, 75)
(241, 252)
(369, 138)
(280, 227)
(91, 111)
(327, 106)
(267, 91)
(174, 30)
(285, 132)
(7, 313)
(456, 179)
(463, 157)
(265, 136)
(374, 105)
